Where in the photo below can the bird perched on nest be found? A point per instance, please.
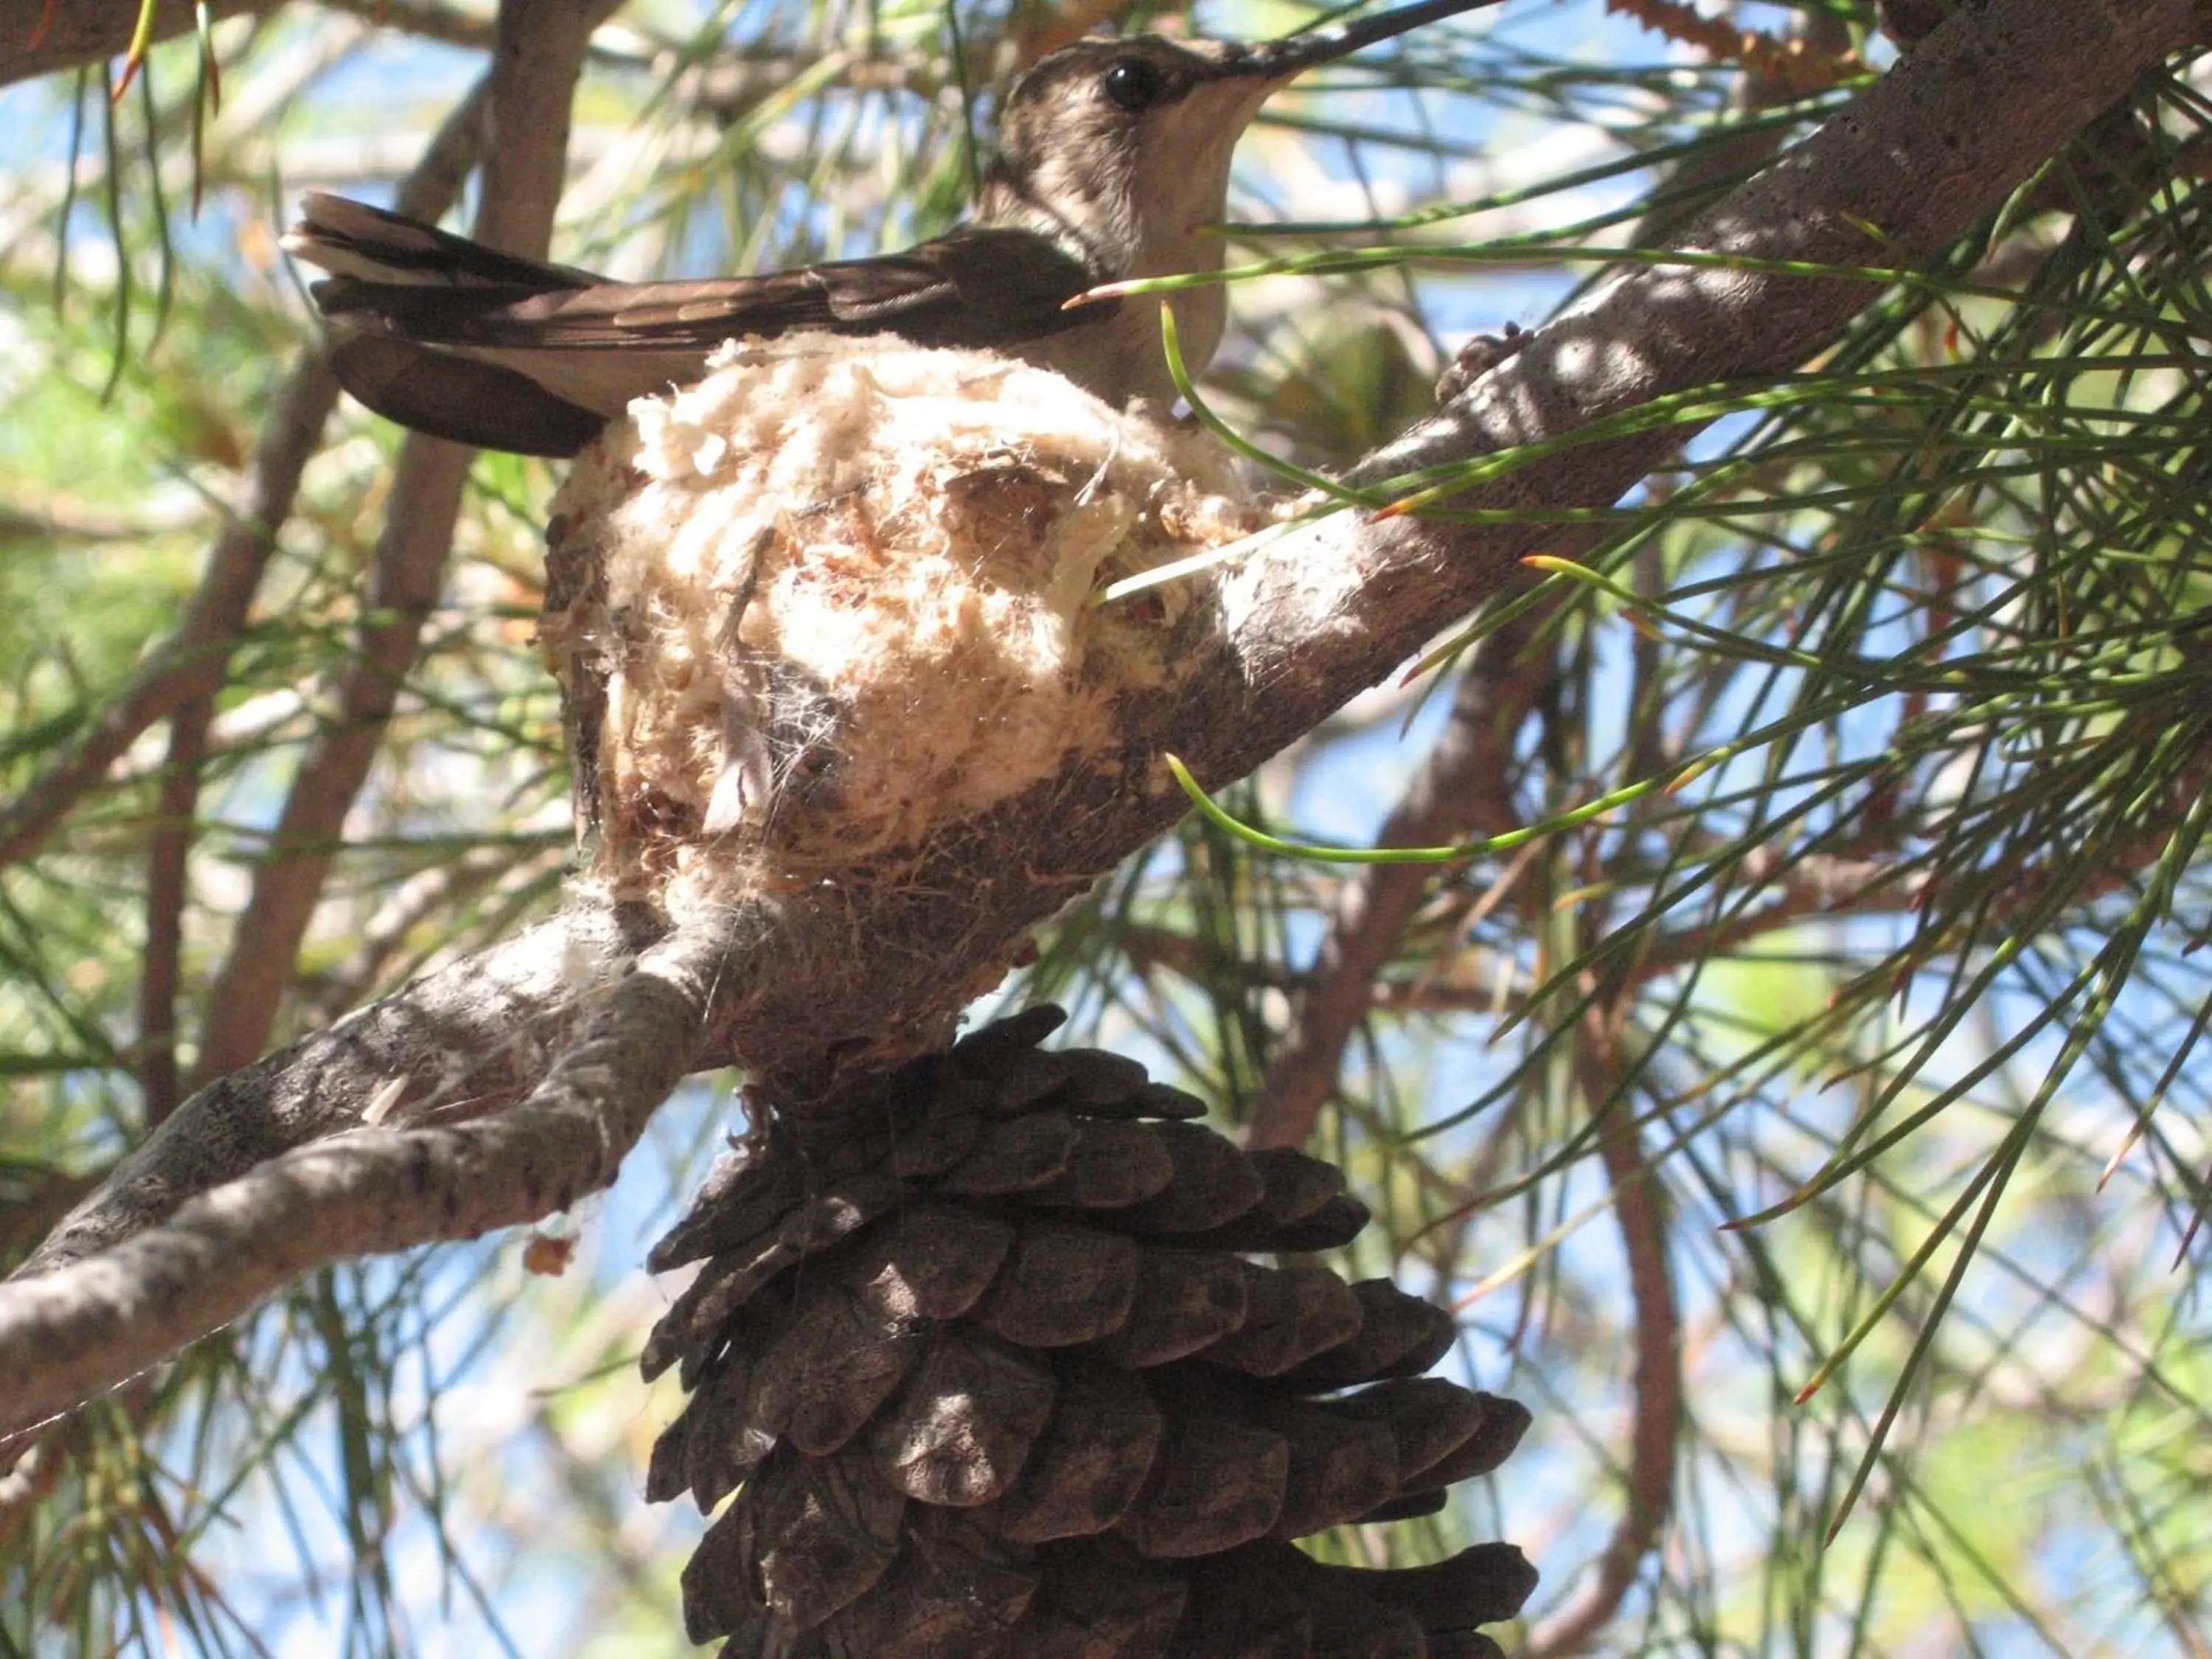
(1114, 158)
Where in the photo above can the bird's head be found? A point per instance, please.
(1119, 150)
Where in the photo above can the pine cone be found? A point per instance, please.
(982, 1354)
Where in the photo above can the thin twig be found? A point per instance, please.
(533, 77)
(190, 664)
(1460, 789)
(435, 892)
(1655, 1385)
(168, 856)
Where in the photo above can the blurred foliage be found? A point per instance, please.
(1900, 968)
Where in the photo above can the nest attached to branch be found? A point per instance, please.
(815, 611)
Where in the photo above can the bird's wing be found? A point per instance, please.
(461, 340)
(977, 286)
(462, 399)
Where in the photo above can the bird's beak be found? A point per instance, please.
(1272, 61)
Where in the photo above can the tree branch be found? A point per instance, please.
(169, 887)
(99, 1321)
(47, 35)
(1639, 1210)
(470, 1039)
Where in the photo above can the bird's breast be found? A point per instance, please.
(1121, 358)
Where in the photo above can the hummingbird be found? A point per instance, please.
(1113, 164)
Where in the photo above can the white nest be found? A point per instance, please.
(840, 596)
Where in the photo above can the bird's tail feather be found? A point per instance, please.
(465, 398)
(352, 239)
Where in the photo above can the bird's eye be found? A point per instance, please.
(1135, 84)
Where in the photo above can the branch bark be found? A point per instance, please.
(1305, 625)
(472, 1038)
(101, 1322)
(47, 35)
